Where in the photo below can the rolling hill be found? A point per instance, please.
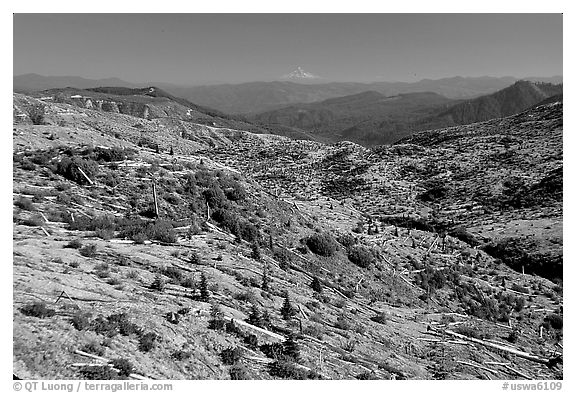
(371, 118)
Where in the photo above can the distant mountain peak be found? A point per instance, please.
(300, 74)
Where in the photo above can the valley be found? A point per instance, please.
(157, 239)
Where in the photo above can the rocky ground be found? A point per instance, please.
(334, 261)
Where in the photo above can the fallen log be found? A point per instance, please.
(524, 355)
(107, 361)
(256, 328)
(517, 372)
(477, 366)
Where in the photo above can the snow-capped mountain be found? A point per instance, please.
(299, 73)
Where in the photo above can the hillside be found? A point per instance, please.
(147, 103)
(368, 118)
(509, 101)
(237, 255)
(372, 119)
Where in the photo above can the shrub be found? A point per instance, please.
(114, 153)
(231, 356)
(238, 372)
(519, 288)
(347, 240)
(380, 318)
(513, 336)
(236, 192)
(98, 373)
(469, 331)
(431, 279)
(38, 310)
(140, 230)
(123, 366)
(181, 355)
(287, 370)
(105, 234)
(114, 281)
(69, 168)
(251, 340)
(147, 341)
(88, 251)
(80, 321)
(195, 258)
(158, 284)
(27, 165)
(76, 243)
(215, 197)
(283, 256)
(33, 221)
(114, 324)
(322, 244)
(343, 323)
(93, 348)
(273, 350)
(188, 282)
(173, 272)
(361, 256)
(314, 330)
(37, 114)
(367, 375)
(316, 285)
(555, 321)
(25, 204)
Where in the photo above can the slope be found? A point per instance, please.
(248, 221)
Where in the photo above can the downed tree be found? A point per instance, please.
(107, 362)
(525, 355)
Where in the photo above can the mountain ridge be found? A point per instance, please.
(370, 118)
(254, 97)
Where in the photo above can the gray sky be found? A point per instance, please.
(209, 48)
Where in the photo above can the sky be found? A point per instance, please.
(191, 49)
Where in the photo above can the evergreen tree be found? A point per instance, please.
(291, 348)
(236, 232)
(171, 151)
(157, 149)
(266, 320)
(255, 318)
(265, 280)
(158, 284)
(316, 285)
(256, 254)
(204, 293)
(287, 311)
(216, 321)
